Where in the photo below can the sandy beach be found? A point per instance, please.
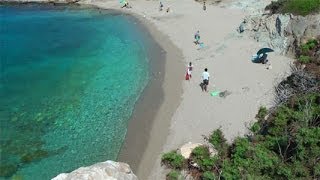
(181, 119)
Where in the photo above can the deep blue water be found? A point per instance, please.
(69, 79)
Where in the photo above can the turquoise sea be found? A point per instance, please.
(69, 79)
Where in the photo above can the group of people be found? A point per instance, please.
(161, 7)
(205, 77)
(205, 74)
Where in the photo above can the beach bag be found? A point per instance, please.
(187, 76)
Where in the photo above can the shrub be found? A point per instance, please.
(255, 127)
(201, 156)
(299, 7)
(173, 175)
(219, 142)
(311, 44)
(208, 176)
(173, 160)
(262, 113)
(302, 7)
(200, 152)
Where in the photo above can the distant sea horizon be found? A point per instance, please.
(69, 80)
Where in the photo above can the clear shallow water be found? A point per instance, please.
(69, 79)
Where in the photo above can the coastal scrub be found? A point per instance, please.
(287, 147)
(297, 7)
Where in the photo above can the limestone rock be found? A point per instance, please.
(187, 149)
(283, 33)
(108, 170)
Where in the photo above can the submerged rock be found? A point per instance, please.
(108, 170)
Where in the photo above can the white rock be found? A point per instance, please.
(187, 149)
(108, 170)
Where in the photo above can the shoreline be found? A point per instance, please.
(147, 109)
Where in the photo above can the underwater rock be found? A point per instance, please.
(34, 156)
(7, 170)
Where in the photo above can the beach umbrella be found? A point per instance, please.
(264, 50)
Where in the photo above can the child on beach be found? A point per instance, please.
(189, 71)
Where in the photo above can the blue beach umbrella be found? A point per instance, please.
(264, 50)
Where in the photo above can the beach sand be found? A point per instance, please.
(174, 120)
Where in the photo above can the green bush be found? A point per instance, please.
(255, 127)
(219, 142)
(174, 175)
(298, 7)
(311, 44)
(208, 176)
(200, 152)
(302, 7)
(201, 156)
(304, 59)
(262, 113)
(173, 160)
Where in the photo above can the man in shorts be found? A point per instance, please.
(205, 77)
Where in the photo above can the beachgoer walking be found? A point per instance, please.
(189, 70)
(205, 79)
(197, 37)
(161, 6)
(204, 6)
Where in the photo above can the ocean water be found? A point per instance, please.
(69, 79)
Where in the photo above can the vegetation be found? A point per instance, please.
(174, 175)
(286, 145)
(173, 160)
(208, 176)
(307, 52)
(297, 7)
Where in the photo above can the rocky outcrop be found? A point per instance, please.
(187, 149)
(108, 170)
(283, 33)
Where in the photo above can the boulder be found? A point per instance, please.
(108, 170)
(187, 149)
(284, 33)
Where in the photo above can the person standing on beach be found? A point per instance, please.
(205, 78)
(204, 5)
(189, 71)
(197, 37)
(161, 6)
(190, 67)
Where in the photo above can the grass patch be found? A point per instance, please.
(297, 7)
